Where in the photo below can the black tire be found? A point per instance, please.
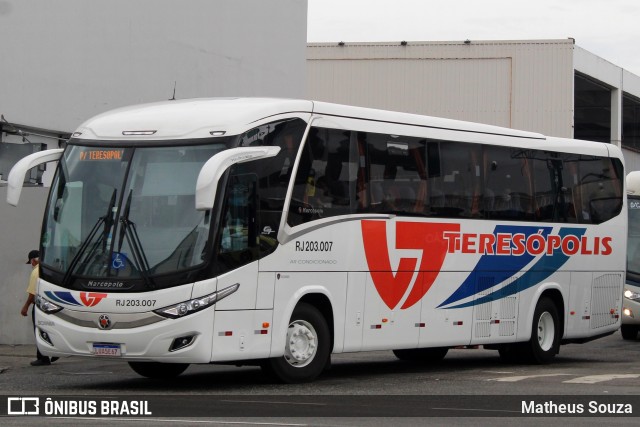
(629, 332)
(307, 348)
(433, 355)
(158, 370)
(545, 334)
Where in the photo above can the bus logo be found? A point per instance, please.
(91, 299)
(104, 322)
(267, 230)
(23, 406)
(503, 253)
(429, 237)
(88, 299)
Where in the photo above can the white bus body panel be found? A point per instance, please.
(76, 332)
(187, 118)
(498, 320)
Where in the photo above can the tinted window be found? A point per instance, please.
(455, 179)
(344, 172)
(325, 183)
(598, 188)
(255, 193)
(508, 192)
(633, 245)
(547, 183)
(397, 173)
(238, 243)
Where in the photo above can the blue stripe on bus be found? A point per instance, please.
(502, 266)
(62, 297)
(540, 271)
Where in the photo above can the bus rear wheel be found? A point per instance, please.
(545, 334)
(433, 355)
(158, 370)
(629, 332)
(307, 347)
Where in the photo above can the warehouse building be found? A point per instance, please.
(549, 86)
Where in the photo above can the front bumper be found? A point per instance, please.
(147, 337)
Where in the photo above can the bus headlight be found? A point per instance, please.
(629, 294)
(47, 306)
(188, 307)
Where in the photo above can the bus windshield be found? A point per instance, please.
(633, 243)
(126, 212)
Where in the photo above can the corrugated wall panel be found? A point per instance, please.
(520, 84)
(477, 90)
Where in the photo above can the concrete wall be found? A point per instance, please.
(64, 61)
(67, 60)
(20, 233)
(524, 85)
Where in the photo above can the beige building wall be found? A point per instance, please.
(524, 85)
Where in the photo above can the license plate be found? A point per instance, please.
(107, 350)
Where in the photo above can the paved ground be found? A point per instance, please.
(604, 369)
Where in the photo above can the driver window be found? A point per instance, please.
(238, 241)
(325, 182)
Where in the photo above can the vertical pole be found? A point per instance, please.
(616, 114)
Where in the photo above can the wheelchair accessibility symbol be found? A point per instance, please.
(118, 261)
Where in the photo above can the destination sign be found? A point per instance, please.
(97, 155)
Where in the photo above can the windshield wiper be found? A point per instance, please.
(107, 220)
(128, 230)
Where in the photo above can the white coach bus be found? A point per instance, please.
(277, 232)
(631, 304)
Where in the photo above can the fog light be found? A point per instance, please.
(182, 342)
(627, 312)
(45, 337)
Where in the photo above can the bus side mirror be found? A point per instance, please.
(15, 180)
(216, 166)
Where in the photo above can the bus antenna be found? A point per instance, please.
(173, 98)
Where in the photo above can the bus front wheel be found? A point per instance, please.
(158, 370)
(307, 347)
(545, 333)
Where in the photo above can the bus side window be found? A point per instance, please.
(507, 184)
(601, 187)
(238, 241)
(272, 179)
(455, 179)
(544, 186)
(396, 173)
(325, 182)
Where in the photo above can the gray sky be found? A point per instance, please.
(607, 28)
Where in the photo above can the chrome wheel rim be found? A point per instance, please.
(302, 344)
(546, 331)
